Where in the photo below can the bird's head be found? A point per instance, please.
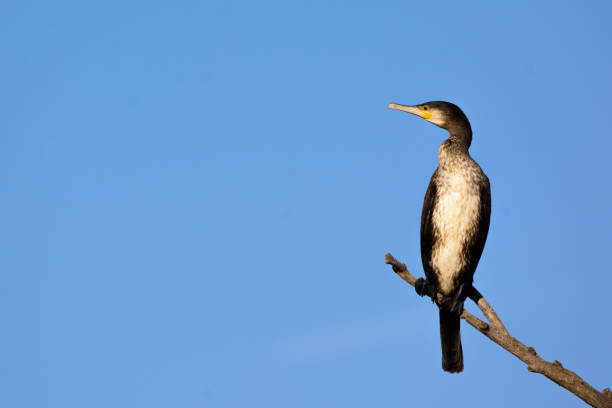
(444, 114)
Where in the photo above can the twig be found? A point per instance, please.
(496, 331)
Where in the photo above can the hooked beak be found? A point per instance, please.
(415, 110)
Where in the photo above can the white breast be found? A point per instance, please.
(455, 219)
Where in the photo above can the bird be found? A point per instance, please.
(454, 223)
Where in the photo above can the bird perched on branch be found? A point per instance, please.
(454, 223)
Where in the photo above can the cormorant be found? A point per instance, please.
(454, 223)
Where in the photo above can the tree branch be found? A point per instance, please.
(496, 331)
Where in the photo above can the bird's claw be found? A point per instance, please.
(454, 304)
(423, 287)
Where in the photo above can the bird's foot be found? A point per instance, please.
(454, 303)
(423, 287)
(457, 307)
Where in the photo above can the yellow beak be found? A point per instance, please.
(415, 110)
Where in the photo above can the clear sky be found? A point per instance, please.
(197, 198)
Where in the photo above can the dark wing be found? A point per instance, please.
(477, 243)
(428, 237)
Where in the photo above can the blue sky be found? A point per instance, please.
(197, 198)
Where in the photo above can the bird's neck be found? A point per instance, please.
(461, 134)
(454, 151)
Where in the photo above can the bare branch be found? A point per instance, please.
(496, 331)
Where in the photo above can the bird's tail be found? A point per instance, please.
(450, 336)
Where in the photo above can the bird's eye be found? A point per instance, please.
(425, 108)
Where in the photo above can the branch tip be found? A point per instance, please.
(482, 326)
